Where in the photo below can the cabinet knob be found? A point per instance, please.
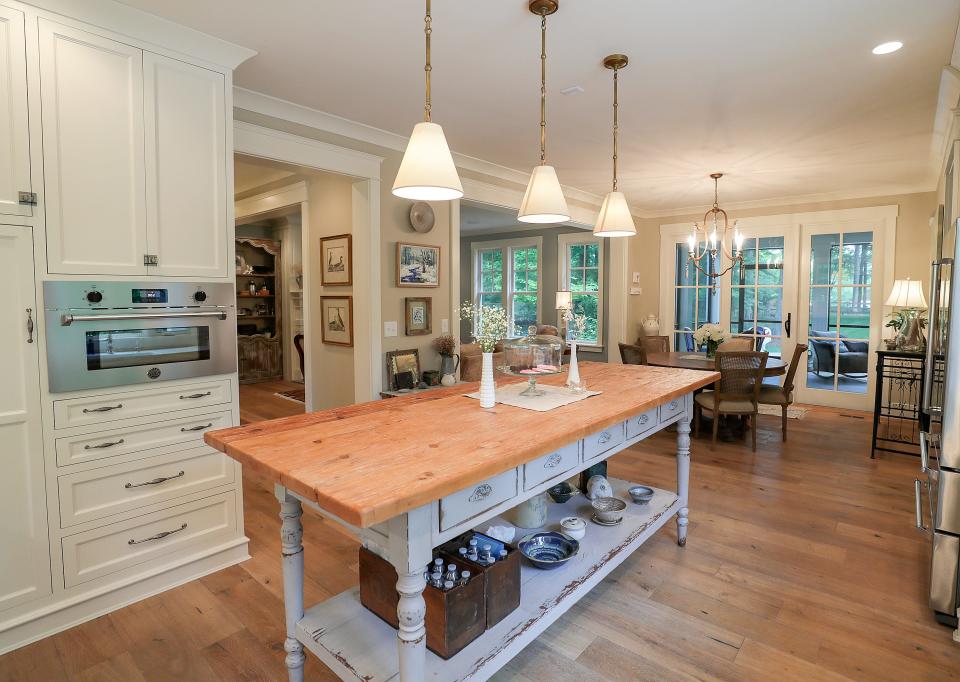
(200, 296)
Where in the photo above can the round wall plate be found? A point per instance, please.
(422, 218)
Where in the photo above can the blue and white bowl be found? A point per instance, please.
(548, 549)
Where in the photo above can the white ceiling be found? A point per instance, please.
(784, 96)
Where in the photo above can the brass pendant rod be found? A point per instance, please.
(616, 125)
(543, 89)
(427, 68)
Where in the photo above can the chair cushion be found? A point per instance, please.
(854, 346)
(705, 400)
(773, 395)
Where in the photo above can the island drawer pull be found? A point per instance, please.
(201, 427)
(643, 419)
(156, 481)
(194, 396)
(481, 492)
(553, 461)
(674, 404)
(605, 437)
(105, 408)
(101, 446)
(158, 536)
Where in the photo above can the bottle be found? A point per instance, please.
(462, 552)
(438, 565)
(485, 554)
(473, 545)
(502, 555)
(436, 579)
(451, 572)
(464, 577)
(447, 585)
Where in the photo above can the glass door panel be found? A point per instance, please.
(696, 299)
(757, 294)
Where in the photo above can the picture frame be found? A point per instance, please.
(337, 320)
(418, 316)
(403, 369)
(336, 260)
(418, 265)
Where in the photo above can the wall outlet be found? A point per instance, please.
(635, 291)
(444, 326)
(390, 328)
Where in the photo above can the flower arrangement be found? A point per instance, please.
(576, 324)
(445, 344)
(710, 333)
(488, 324)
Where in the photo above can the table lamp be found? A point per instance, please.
(907, 294)
(564, 304)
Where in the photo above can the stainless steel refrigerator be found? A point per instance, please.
(940, 444)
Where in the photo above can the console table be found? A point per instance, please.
(897, 417)
(407, 474)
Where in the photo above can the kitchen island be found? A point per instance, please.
(406, 475)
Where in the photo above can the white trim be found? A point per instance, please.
(267, 202)
(507, 246)
(564, 241)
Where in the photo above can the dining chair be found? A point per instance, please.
(783, 395)
(298, 344)
(737, 392)
(631, 354)
(655, 344)
(736, 343)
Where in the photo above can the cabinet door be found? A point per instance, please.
(14, 131)
(25, 557)
(186, 168)
(91, 98)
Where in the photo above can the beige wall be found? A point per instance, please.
(912, 251)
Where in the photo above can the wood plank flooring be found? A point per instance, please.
(802, 564)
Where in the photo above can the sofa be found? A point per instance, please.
(853, 358)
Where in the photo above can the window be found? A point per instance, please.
(756, 294)
(581, 273)
(696, 301)
(507, 275)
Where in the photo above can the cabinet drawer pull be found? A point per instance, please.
(553, 461)
(643, 419)
(158, 536)
(105, 408)
(604, 437)
(194, 396)
(196, 428)
(481, 492)
(156, 481)
(101, 446)
(29, 325)
(673, 404)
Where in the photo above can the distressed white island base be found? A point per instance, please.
(356, 644)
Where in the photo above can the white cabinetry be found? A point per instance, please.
(24, 557)
(14, 130)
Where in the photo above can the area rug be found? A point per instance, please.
(297, 394)
(792, 412)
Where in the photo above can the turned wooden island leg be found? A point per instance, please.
(412, 633)
(291, 536)
(683, 473)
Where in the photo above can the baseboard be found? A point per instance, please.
(58, 616)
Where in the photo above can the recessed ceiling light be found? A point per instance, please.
(887, 48)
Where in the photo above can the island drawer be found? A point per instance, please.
(150, 538)
(671, 409)
(549, 466)
(470, 502)
(597, 443)
(159, 400)
(100, 492)
(642, 423)
(124, 440)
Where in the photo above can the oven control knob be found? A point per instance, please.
(200, 296)
(94, 296)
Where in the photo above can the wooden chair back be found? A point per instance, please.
(631, 354)
(798, 353)
(741, 374)
(736, 343)
(298, 344)
(655, 344)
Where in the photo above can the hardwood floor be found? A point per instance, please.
(802, 563)
(259, 402)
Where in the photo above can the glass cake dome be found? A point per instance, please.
(532, 356)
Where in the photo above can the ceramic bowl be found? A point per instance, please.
(573, 526)
(609, 509)
(641, 494)
(562, 492)
(548, 549)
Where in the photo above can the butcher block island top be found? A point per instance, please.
(370, 462)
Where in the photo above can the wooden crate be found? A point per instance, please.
(454, 617)
(501, 580)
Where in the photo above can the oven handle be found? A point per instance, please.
(68, 319)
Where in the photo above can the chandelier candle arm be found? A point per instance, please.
(615, 219)
(714, 240)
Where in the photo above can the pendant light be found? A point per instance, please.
(615, 219)
(427, 171)
(543, 201)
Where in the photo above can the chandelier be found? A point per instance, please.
(714, 240)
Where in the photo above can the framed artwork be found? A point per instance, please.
(336, 253)
(337, 319)
(418, 265)
(418, 315)
(403, 369)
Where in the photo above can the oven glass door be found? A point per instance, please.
(113, 348)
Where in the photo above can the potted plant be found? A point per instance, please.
(446, 346)
(711, 336)
(488, 326)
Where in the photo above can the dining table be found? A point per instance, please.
(691, 360)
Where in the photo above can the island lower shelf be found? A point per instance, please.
(357, 645)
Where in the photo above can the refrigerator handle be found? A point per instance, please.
(932, 326)
(919, 507)
(924, 453)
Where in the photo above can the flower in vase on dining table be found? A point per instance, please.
(711, 336)
(488, 326)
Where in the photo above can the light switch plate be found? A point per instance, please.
(444, 326)
(390, 328)
(636, 278)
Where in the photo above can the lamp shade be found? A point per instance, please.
(543, 201)
(907, 293)
(427, 172)
(564, 300)
(615, 219)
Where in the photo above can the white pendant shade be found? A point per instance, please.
(543, 201)
(615, 219)
(907, 293)
(427, 172)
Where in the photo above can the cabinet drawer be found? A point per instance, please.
(469, 502)
(152, 537)
(597, 443)
(548, 466)
(642, 423)
(128, 439)
(110, 407)
(671, 409)
(97, 493)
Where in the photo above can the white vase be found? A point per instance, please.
(651, 326)
(573, 375)
(488, 394)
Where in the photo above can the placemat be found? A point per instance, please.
(553, 397)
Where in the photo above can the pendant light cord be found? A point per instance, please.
(427, 68)
(543, 89)
(616, 125)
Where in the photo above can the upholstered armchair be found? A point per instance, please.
(471, 360)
